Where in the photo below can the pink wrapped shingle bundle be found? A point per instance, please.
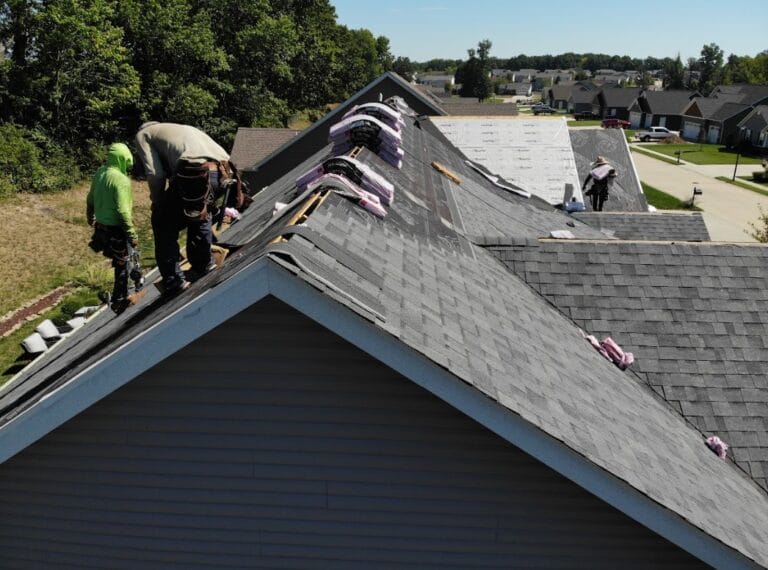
(367, 131)
(611, 351)
(380, 111)
(718, 446)
(356, 171)
(349, 189)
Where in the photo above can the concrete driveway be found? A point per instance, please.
(728, 209)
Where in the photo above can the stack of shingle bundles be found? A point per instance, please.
(345, 187)
(384, 113)
(359, 173)
(364, 130)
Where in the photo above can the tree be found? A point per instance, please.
(17, 34)
(474, 73)
(404, 68)
(173, 49)
(81, 76)
(674, 74)
(711, 67)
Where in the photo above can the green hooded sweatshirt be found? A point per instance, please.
(110, 199)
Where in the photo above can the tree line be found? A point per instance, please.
(702, 73)
(76, 74)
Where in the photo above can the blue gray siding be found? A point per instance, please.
(272, 443)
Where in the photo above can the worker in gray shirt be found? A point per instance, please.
(185, 169)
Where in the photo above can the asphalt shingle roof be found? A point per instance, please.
(666, 102)
(626, 194)
(620, 96)
(418, 276)
(648, 226)
(252, 145)
(694, 315)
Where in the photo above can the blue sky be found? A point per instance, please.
(426, 29)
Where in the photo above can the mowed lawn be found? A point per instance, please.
(44, 245)
(701, 153)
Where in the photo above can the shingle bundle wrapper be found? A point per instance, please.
(356, 171)
(349, 189)
(367, 131)
(384, 113)
(611, 351)
(718, 446)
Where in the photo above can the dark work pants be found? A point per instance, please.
(167, 221)
(114, 244)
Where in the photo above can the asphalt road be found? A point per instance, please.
(728, 209)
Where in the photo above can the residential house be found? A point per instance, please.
(502, 74)
(315, 136)
(415, 390)
(252, 145)
(524, 75)
(436, 80)
(753, 129)
(660, 108)
(520, 89)
(713, 120)
(580, 96)
(616, 101)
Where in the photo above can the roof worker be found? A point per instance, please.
(600, 173)
(109, 209)
(197, 170)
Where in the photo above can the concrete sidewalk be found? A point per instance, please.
(728, 209)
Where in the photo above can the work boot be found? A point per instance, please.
(119, 305)
(175, 285)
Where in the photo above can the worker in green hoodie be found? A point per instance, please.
(110, 212)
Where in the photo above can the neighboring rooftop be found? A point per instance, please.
(252, 145)
(648, 226)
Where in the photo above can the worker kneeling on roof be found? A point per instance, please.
(197, 172)
(109, 208)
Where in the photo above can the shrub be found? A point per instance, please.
(32, 162)
(760, 229)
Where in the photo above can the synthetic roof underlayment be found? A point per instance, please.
(417, 292)
(532, 153)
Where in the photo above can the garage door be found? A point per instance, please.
(635, 118)
(691, 131)
(713, 136)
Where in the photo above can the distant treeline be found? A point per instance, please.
(76, 74)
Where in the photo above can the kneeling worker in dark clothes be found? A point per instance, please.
(193, 165)
(110, 212)
(601, 173)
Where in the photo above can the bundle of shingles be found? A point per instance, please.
(376, 126)
(352, 179)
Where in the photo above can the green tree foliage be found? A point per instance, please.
(674, 74)
(473, 75)
(82, 73)
(404, 68)
(711, 68)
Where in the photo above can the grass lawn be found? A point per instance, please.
(587, 123)
(663, 201)
(640, 150)
(703, 153)
(743, 185)
(44, 245)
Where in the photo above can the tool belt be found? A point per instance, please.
(192, 186)
(112, 241)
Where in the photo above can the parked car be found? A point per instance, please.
(615, 124)
(541, 108)
(656, 134)
(585, 116)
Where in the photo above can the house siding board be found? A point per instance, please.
(266, 453)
